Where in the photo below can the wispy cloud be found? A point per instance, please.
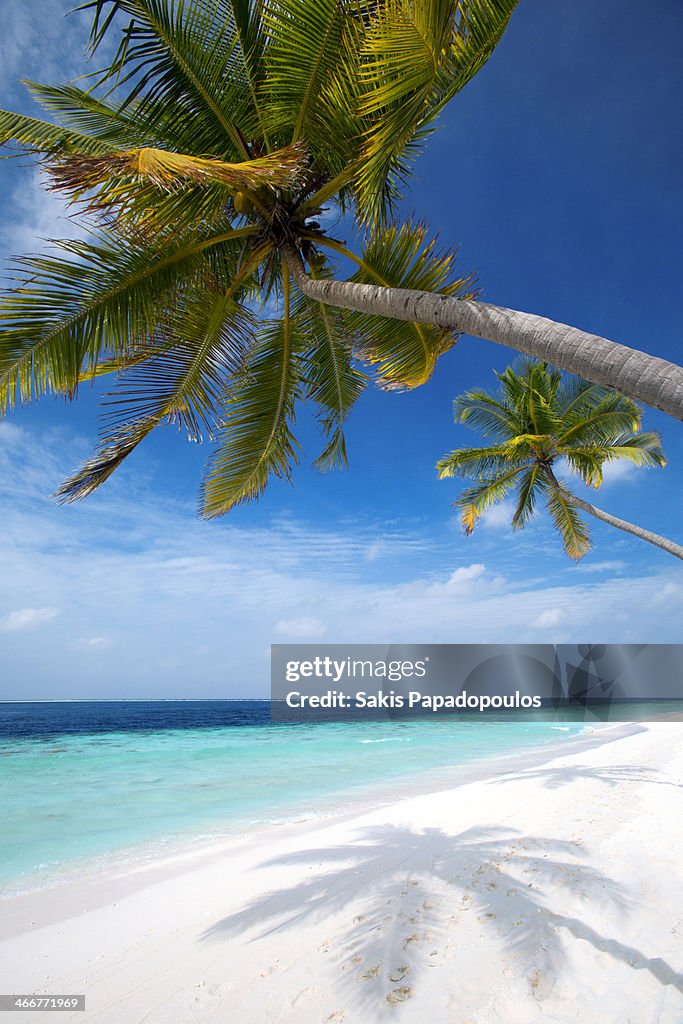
(301, 629)
(178, 604)
(26, 618)
(499, 517)
(550, 617)
(90, 643)
(619, 471)
(38, 216)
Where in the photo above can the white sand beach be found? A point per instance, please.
(549, 892)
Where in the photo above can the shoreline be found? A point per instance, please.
(151, 856)
(539, 891)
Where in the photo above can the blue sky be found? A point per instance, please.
(558, 172)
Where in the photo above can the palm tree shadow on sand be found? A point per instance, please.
(609, 775)
(415, 894)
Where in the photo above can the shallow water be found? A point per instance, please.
(87, 784)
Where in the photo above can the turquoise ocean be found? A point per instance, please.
(90, 785)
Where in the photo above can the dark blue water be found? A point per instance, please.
(97, 716)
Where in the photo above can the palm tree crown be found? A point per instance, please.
(539, 419)
(203, 155)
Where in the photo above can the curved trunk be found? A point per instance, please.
(645, 378)
(621, 524)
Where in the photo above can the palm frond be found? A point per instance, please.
(181, 377)
(404, 353)
(573, 531)
(578, 398)
(644, 449)
(101, 301)
(185, 58)
(332, 381)
(605, 417)
(417, 55)
(474, 501)
(531, 485)
(82, 111)
(78, 174)
(44, 137)
(478, 463)
(586, 462)
(402, 53)
(483, 412)
(305, 40)
(256, 439)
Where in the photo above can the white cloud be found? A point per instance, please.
(610, 565)
(465, 574)
(38, 42)
(301, 629)
(499, 517)
(550, 618)
(26, 618)
(10, 433)
(618, 471)
(37, 216)
(90, 643)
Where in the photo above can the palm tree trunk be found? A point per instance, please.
(640, 376)
(621, 524)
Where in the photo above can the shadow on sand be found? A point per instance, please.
(610, 775)
(417, 894)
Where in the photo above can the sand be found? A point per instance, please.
(548, 891)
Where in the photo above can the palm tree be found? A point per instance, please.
(537, 419)
(202, 155)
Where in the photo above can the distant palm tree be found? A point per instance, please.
(206, 152)
(537, 420)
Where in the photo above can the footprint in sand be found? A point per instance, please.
(399, 974)
(399, 995)
(336, 1016)
(371, 973)
(350, 965)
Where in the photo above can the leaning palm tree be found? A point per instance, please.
(539, 420)
(204, 155)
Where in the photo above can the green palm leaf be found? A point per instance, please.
(256, 438)
(474, 501)
(531, 484)
(573, 531)
(305, 40)
(477, 463)
(332, 381)
(43, 137)
(181, 377)
(403, 353)
(417, 55)
(103, 300)
(184, 57)
(644, 449)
